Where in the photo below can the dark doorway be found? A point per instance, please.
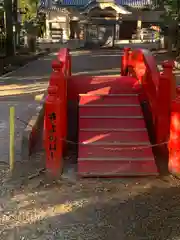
(127, 28)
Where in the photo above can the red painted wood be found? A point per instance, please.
(94, 151)
(115, 168)
(85, 100)
(174, 139)
(166, 94)
(53, 131)
(63, 56)
(110, 111)
(92, 166)
(104, 84)
(124, 61)
(111, 136)
(111, 123)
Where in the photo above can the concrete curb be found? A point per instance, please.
(32, 132)
(149, 46)
(72, 45)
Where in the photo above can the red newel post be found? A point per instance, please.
(65, 57)
(164, 99)
(168, 72)
(61, 82)
(69, 64)
(55, 75)
(124, 62)
(53, 132)
(174, 139)
(55, 78)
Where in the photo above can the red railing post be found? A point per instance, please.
(163, 110)
(69, 64)
(61, 82)
(53, 131)
(174, 139)
(65, 58)
(55, 78)
(55, 75)
(124, 62)
(168, 72)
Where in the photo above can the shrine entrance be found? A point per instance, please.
(103, 20)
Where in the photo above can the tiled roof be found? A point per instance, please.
(134, 3)
(75, 2)
(51, 3)
(82, 3)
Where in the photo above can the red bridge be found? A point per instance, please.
(123, 123)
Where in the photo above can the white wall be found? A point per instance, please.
(60, 20)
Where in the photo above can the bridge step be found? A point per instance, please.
(110, 111)
(113, 139)
(97, 137)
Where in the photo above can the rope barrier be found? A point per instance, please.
(139, 147)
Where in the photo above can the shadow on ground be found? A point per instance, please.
(97, 209)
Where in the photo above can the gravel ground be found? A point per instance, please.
(89, 209)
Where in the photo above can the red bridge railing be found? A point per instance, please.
(174, 139)
(163, 97)
(156, 89)
(55, 119)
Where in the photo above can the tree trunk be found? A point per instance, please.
(170, 44)
(178, 43)
(9, 27)
(171, 35)
(178, 32)
(15, 18)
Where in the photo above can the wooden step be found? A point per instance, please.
(113, 151)
(113, 139)
(111, 111)
(108, 99)
(112, 136)
(98, 168)
(108, 123)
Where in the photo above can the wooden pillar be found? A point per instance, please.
(9, 27)
(47, 25)
(117, 27)
(139, 25)
(67, 27)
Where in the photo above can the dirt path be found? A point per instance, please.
(95, 209)
(90, 209)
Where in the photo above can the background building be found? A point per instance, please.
(97, 18)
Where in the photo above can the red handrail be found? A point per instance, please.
(174, 139)
(141, 64)
(64, 57)
(157, 90)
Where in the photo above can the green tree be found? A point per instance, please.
(30, 8)
(171, 19)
